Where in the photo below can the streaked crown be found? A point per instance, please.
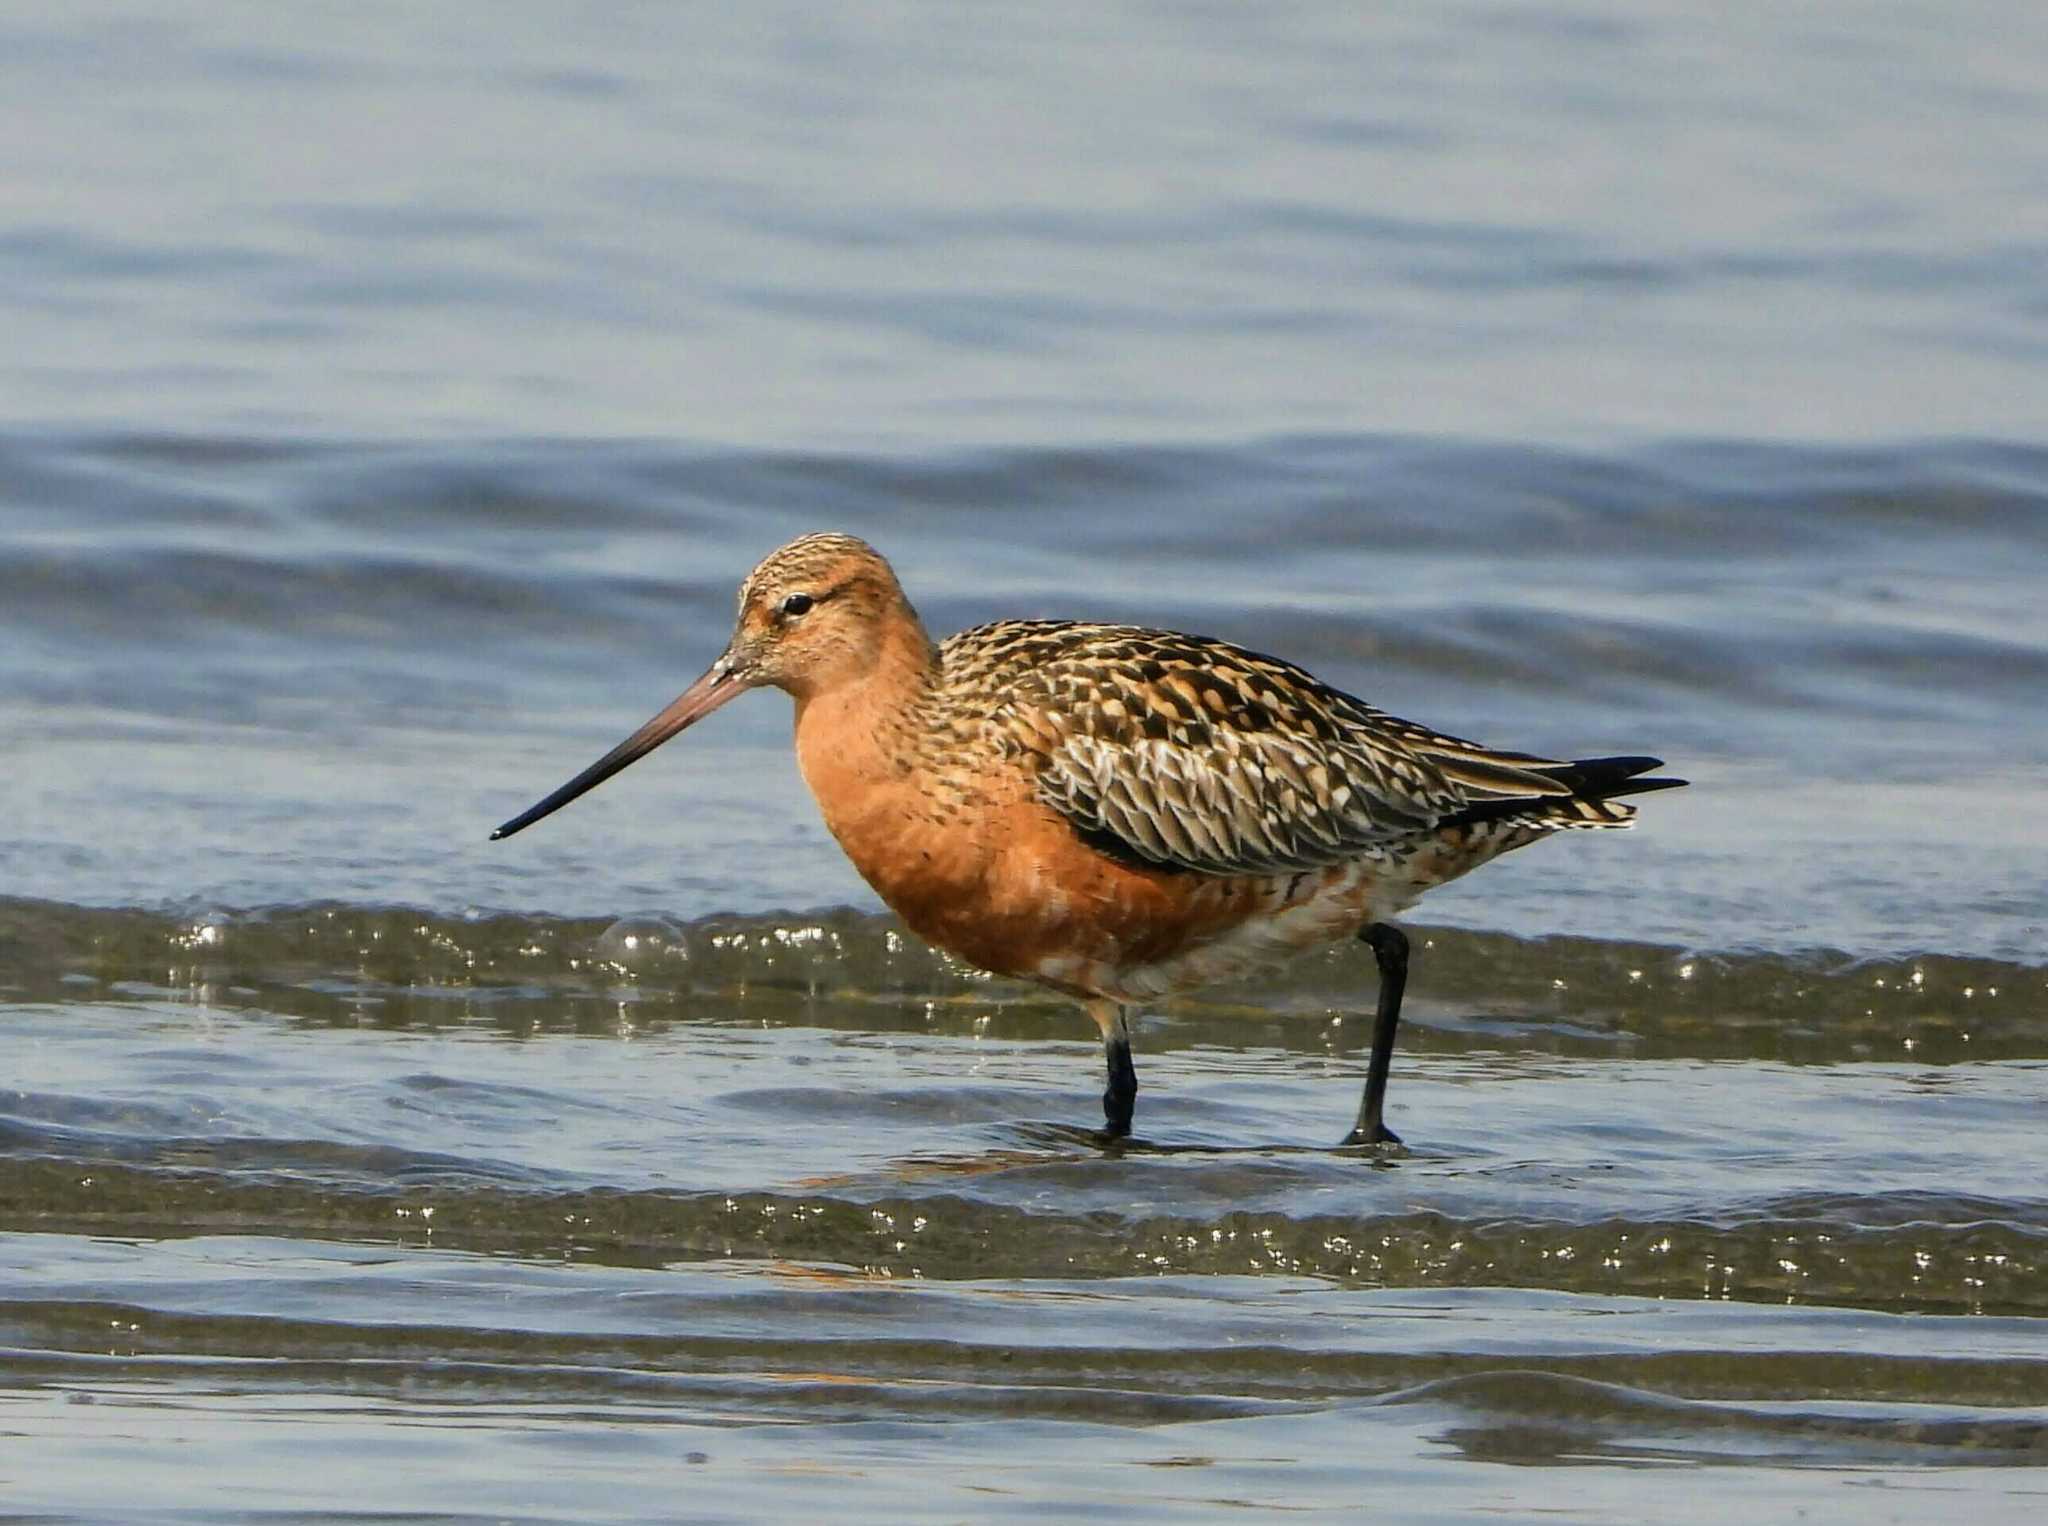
(818, 610)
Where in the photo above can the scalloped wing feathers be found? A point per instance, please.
(1197, 754)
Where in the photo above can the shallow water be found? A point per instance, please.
(390, 407)
(791, 1202)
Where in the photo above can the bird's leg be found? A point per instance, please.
(1120, 1098)
(1390, 948)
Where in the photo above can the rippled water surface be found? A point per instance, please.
(392, 400)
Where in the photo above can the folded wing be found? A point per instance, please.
(1194, 754)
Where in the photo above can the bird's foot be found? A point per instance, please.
(1378, 1134)
(1116, 1113)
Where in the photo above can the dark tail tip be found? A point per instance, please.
(1605, 778)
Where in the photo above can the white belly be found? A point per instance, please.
(1296, 913)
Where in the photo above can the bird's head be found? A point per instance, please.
(815, 614)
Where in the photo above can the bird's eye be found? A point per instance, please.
(797, 604)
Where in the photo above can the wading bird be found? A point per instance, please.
(1113, 812)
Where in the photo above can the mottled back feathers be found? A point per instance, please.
(1195, 754)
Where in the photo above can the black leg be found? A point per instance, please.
(1121, 1098)
(1390, 948)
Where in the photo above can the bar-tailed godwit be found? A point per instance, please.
(1113, 812)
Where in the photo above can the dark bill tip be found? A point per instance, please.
(692, 705)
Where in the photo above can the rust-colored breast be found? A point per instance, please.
(953, 836)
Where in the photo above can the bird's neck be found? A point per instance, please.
(866, 736)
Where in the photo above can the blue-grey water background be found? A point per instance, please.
(391, 398)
